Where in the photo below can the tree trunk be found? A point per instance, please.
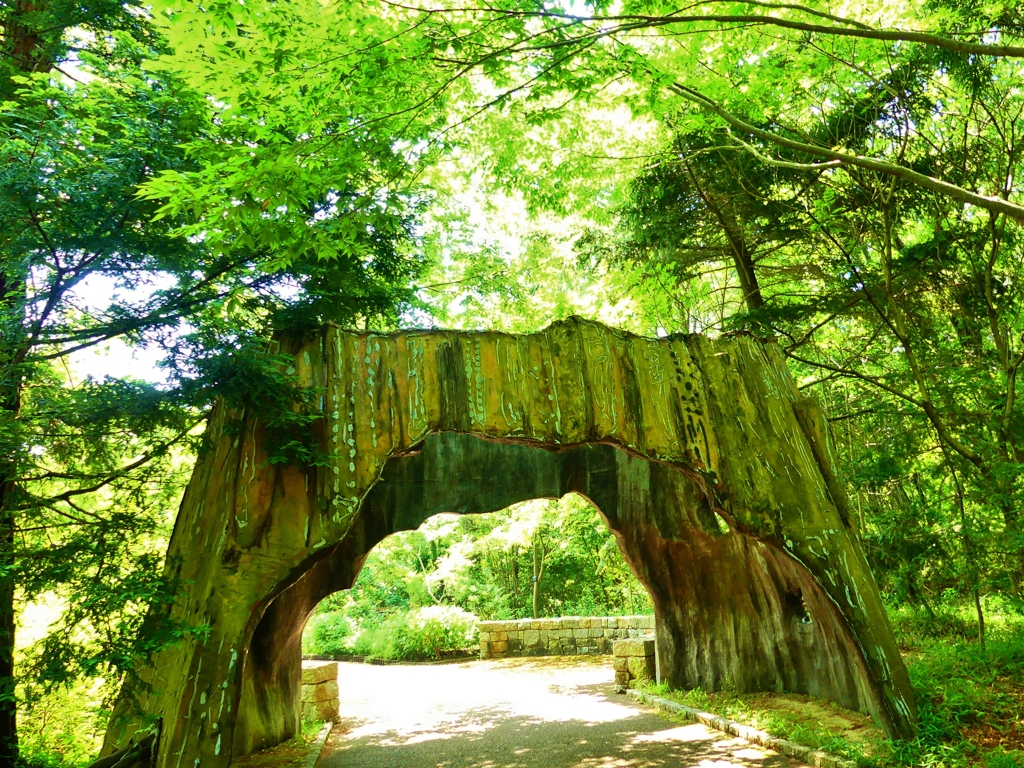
(742, 258)
(8, 698)
(743, 261)
(11, 302)
(538, 573)
(22, 45)
(981, 618)
(668, 437)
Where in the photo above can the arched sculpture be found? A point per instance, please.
(713, 472)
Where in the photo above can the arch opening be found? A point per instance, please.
(731, 611)
(538, 559)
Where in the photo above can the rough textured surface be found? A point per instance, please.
(633, 659)
(320, 690)
(703, 458)
(564, 636)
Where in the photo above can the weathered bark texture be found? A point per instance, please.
(713, 472)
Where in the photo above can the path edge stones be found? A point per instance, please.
(813, 757)
(317, 747)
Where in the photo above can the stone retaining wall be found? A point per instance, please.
(634, 660)
(565, 636)
(320, 691)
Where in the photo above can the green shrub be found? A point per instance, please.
(328, 634)
(913, 625)
(65, 727)
(419, 635)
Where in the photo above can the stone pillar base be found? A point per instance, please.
(633, 659)
(320, 691)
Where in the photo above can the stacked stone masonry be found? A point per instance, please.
(320, 691)
(566, 636)
(633, 659)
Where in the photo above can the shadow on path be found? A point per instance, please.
(515, 714)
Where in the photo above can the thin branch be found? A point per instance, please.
(988, 202)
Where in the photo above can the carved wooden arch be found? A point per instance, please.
(711, 469)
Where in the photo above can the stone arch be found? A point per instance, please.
(712, 471)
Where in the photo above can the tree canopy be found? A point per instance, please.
(198, 180)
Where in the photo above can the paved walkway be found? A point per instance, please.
(538, 713)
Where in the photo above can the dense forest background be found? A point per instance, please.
(181, 182)
(421, 593)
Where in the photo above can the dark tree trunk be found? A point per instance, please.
(8, 700)
(743, 261)
(668, 438)
(742, 257)
(22, 44)
(11, 294)
(539, 555)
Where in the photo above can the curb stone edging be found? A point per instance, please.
(813, 757)
(317, 747)
(376, 661)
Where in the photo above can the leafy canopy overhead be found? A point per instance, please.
(844, 180)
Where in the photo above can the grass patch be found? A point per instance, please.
(812, 722)
(970, 700)
(311, 729)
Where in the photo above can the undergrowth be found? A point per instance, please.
(970, 700)
(422, 634)
(783, 725)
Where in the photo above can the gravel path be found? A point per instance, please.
(537, 713)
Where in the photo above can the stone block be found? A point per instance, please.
(321, 710)
(623, 622)
(499, 647)
(499, 636)
(319, 672)
(641, 667)
(581, 633)
(622, 679)
(515, 645)
(328, 690)
(531, 637)
(647, 622)
(597, 632)
(491, 626)
(321, 691)
(641, 646)
(483, 637)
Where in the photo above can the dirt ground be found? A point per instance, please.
(291, 754)
(824, 715)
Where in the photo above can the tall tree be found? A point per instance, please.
(87, 261)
